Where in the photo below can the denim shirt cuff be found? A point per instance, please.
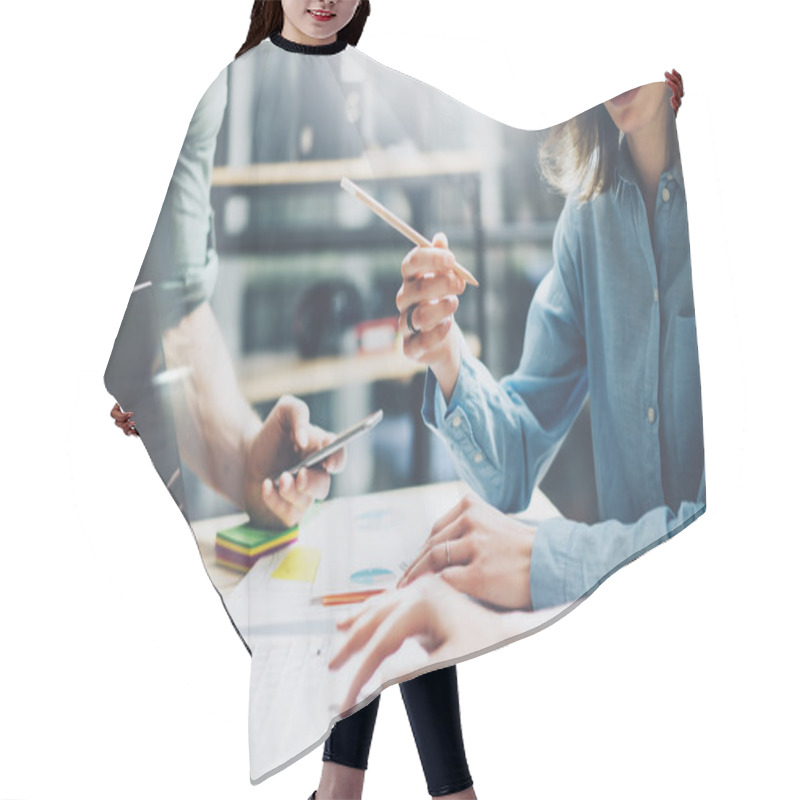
(455, 422)
(549, 562)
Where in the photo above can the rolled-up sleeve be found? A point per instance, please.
(503, 435)
(570, 559)
(461, 425)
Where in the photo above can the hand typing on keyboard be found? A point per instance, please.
(406, 661)
(443, 623)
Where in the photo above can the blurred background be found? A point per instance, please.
(308, 276)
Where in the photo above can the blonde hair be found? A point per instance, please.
(580, 155)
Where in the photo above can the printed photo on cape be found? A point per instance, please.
(576, 415)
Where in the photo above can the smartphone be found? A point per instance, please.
(339, 442)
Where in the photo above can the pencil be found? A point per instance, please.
(349, 598)
(398, 224)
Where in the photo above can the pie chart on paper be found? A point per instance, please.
(376, 576)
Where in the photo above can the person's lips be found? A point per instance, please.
(322, 16)
(624, 98)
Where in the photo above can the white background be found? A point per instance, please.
(120, 675)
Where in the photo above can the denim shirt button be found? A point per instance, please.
(457, 421)
(477, 458)
(665, 194)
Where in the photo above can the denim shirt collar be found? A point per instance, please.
(626, 169)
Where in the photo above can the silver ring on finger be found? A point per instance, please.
(410, 319)
(447, 550)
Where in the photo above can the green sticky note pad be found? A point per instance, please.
(251, 538)
(300, 564)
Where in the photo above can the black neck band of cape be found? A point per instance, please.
(308, 49)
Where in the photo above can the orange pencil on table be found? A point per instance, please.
(348, 598)
(398, 224)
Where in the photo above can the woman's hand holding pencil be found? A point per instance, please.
(428, 298)
(427, 302)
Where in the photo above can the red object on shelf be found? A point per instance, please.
(377, 335)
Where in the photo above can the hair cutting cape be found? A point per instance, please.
(578, 301)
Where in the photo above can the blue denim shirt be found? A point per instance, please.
(613, 319)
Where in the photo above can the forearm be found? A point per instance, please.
(570, 559)
(214, 422)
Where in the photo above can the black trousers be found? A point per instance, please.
(431, 702)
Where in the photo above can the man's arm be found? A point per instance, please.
(222, 439)
(212, 419)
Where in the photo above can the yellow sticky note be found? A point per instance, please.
(300, 564)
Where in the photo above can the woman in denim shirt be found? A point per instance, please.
(614, 321)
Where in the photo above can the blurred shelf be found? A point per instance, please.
(374, 165)
(267, 377)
